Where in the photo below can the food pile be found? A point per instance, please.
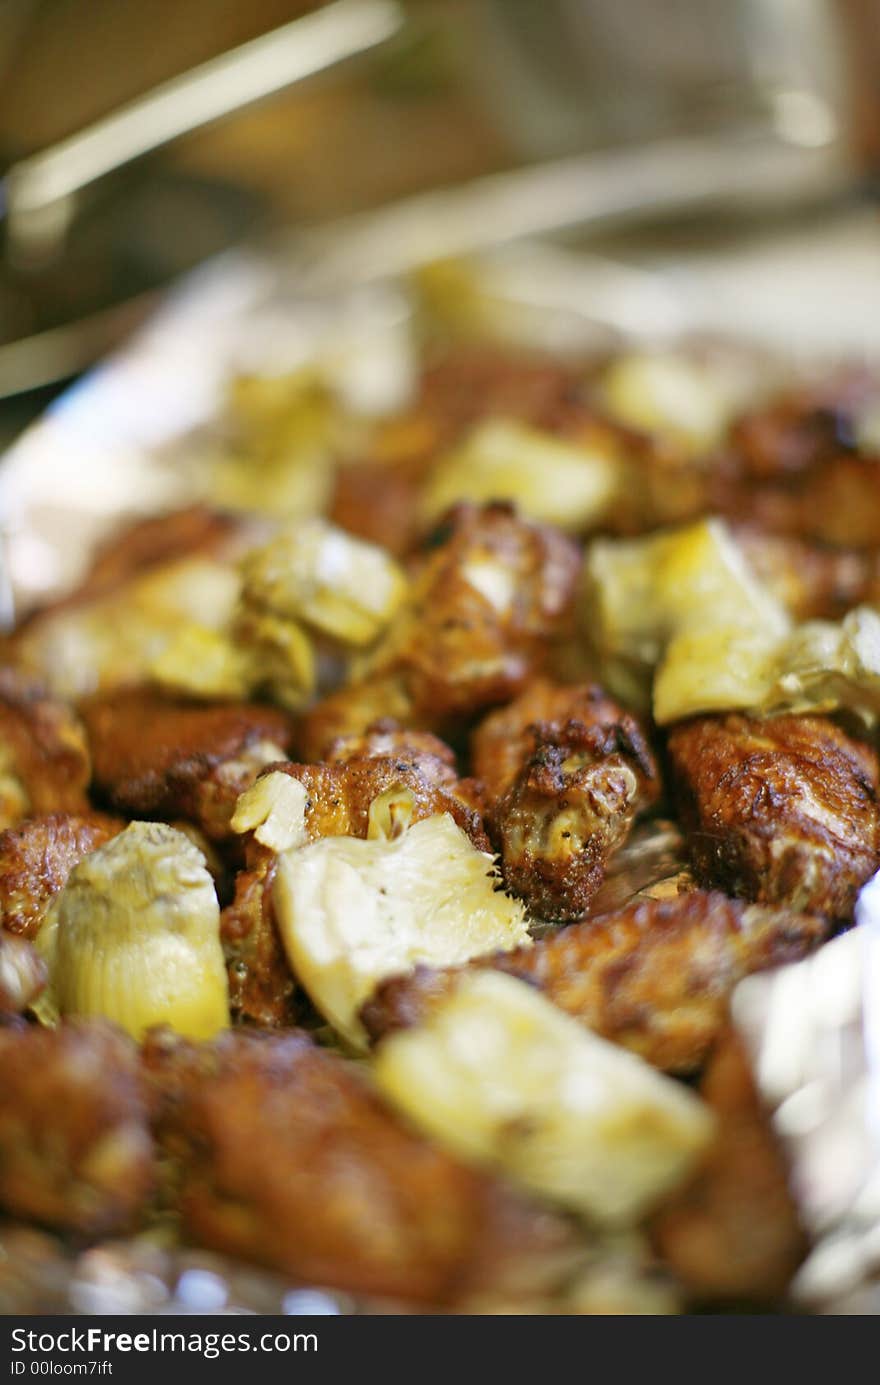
(380, 845)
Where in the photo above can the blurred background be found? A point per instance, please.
(764, 114)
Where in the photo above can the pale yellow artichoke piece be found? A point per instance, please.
(640, 593)
(134, 937)
(822, 666)
(352, 912)
(549, 480)
(714, 669)
(678, 397)
(499, 1076)
(280, 654)
(326, 579)
(274, 809)
(205, 663)
(280, 461)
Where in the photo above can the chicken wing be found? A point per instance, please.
(795, 466)
(36, 859)
(811, 580)
(75, 1147)
(385, 739)
(654, 977)
(566, 772)
(286, 1157)
(781, 811)
(733, 1234)
(158, 756)
(44, 759)
(261, 986)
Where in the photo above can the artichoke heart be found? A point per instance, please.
(352, 912)
(678, 397)
(134, 937)
(822, 666)
(501, 1077)
(330, 581)
(552, 481)
(639, 594)
(274, 809)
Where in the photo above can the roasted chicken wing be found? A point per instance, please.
(158, 756)
(782, 811)
(796, 466)
(733, 1234)
(261, 987)
(654, 977)
(44, 758)
(75, 1146)
(36, 859)
(566, 771)
(285, 1156)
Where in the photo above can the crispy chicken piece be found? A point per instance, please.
(433, 758)
(338, 805)
(479, 382)
(507, 738)
(385, 739)
(36, 859)
(378, 502)
(158, 756)
(44, 759)
(654, 977)
(812, 581)
(566, 772)
(795, 467)
(22, 976)
(75, 1148)
(261, 986)
(802, 427)
(489, 596)
(733, 1234)
(573, 804)
(286, 1157)
(340, 796)
(782, 810)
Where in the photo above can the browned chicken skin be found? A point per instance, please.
(654, 977)
(340, 796)
(157, 756)
(286, 1157)
(783, 811)
(793, 467)
(36, 859)
(733, 1233)
(44, 758)
(506, 739)
(489, 595)
(261, 986)
(75, 1147)
(385, 739)
(811, 580)
(566, 772)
